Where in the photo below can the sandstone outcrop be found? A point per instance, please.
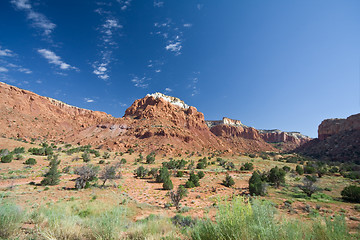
(154, 123)
(338, 140)
(234, 128)
(333, 126)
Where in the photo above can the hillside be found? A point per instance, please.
(154, 123)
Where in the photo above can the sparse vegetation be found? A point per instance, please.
(87, 173)
(52, 177)
(229, 181)
(30, 161)
(176, 197)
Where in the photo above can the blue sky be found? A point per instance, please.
(271, 64)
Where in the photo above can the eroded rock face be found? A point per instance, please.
(338, 140)
(234, 128)
(26, 114)
(154, 123)
(330, 127)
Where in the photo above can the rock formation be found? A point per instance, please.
(333, 126)
(338, 140)
(154, 123)
(234, 128)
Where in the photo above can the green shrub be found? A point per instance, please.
(229, 181)
(351, 193)
(150, 158)
(286, 168)
(256, 185)
(141, 172)
(153, 172)
(309, 169)
(19, 150)
(201, 174)
(299, 170)
(193, 181)
(7, 158)
(168, 185)
(30, 161)
(189, 184)
(276, 176)
(200, 165)
(163, 176)
(52, 177)
(106, 155)
(179, 174)
(183, 221)
(19, 157)
(247, 167)
(101, 161)
(86, 157)
(174, 164)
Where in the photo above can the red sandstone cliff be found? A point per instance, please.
(234, 128)
(338, 140)
(330, 127)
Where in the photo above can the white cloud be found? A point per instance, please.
(25, 70)
(199, 6)
(124, 4)
(54, 59)
(174, 47)
(168, 90)
(158, 70)
(172, 34)
(89, 100)
(193, 84)
(38, 20)
(158, 3)
(140, 82)
(2, 69)
(38, 81)
(108, 31)
(6, 52)
(122, 104)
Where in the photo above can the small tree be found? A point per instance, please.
(247, 167)
(177, 196)
(201, 174)
(87, 173)
(109, 173)
(7, 158)
(308, 186)
(256, 185)
(168, 185)
(277, 176)
(150, 158)
(193, 181)
(299, 170)
(106, 155)
(52, 177)
(163, 175)
(30, 161)
(86, 157)
(141, 172)
(229, 181)
(351, 193)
